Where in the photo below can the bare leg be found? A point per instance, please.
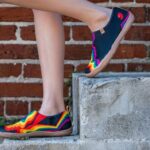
(49, 33)
(92, 14)
(50, 37)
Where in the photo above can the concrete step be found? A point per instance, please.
(73, 143)
(110, 112)
(112, 106)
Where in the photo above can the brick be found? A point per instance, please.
(139, 13)
(28, 33)
(67, 33)
(109, 67)
(34, 70)
(143, 1)
(1, 108)
(35, 105)
(81, 33)
(68, 70)
(138, 67)
(114, 68)
(131, 51)
(148, 14)
(24, 89)
(16, 14)
(77, 52)
(81, 67)
(20, 89)
(81, 52)
(7, 32)
(141, 33)
(18, 51)
(7, 70)
(66, 90)
(72, 52)
(16, 108)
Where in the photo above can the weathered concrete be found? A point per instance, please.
(52, 143)
(73, 143)
(110, 112)
(1, 140)
(114, 106)
(75, 103)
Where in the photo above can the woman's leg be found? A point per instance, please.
(94, 15)
(50, 37)
(50, 41)
(49, 33)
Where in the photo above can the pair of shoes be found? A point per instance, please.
(105, 41)
(35, 124)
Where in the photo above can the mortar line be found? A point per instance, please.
(72, 62)
(71, 33)
(25, 80)
(23, 99)
(65, 23)
(4, 108)
(125, 67)
(29, 106)
(71, 42)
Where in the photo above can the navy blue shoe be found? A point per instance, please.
(106, 40)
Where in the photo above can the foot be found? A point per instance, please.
(35, 124)
(106, 40)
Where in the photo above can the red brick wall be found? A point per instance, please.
(20, 76)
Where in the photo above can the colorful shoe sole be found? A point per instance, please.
(10, 135)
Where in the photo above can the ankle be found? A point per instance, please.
(49, 112)
(99, 21)
(51, 109)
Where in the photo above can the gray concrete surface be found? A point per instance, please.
(110, 112)
(73, 143)
(115, 106)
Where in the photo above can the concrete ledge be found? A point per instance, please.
(110, 112)
(112, 106)
(73, 143)
(53, 143)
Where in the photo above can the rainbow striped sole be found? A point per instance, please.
(66, 132)
(36, 124)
